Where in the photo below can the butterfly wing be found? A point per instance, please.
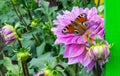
(79, 28)
(81, 18)
(68, 29)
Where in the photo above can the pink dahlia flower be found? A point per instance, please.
(98, 53)
(95, 22)
(9, 34)
(75, 49)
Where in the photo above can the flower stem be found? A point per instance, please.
(85, 3)
(25, 24)
(28, 10)
(18, 13)
(97, 69)
(49, 19)
(20, 44)
(25, 69)
(36, 37)
(29, 13)
(24, 63)
(76, 68)
(37, 40)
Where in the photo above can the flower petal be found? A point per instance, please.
(74, 60)
(86, 60)
(73, 50)
(90, 66)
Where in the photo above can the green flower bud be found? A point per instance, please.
(23, 56)
(47, 72)
(33, 24)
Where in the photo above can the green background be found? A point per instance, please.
(112, 27)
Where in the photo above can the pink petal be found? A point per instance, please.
(90, 66)
(86, 60)
(69, 39)
(101, 32)
(73, 50)
(94, 11)
(75, 11)
(74, 60)
(86, 10)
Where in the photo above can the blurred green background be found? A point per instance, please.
(112, 35)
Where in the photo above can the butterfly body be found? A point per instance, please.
(77, 27)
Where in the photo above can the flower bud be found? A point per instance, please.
(23, 56)
(45, 72)
(101, 8)
(99, 52)
(9, 33)
(33, 24)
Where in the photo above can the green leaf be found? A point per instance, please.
(40, 49)
(40, 9)
(84, 72)
(13, 70)
(42, 60)
(7, 63)
(62, 48)
(55, 73)
(1, 62)
(45, 5)
(52, 10)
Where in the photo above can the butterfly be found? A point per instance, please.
(78, 26)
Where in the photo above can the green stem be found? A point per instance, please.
(16, 12)
(76, 68)
(24, 63)
(85, 3)
(20, 44)
(25, 69)
(49, 19)
(22, 17)
(28, 10)
(36, 39)
(97, 69)
(29, 13)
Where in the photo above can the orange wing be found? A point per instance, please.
(68, 29)
(81, 18)
(77, 27)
